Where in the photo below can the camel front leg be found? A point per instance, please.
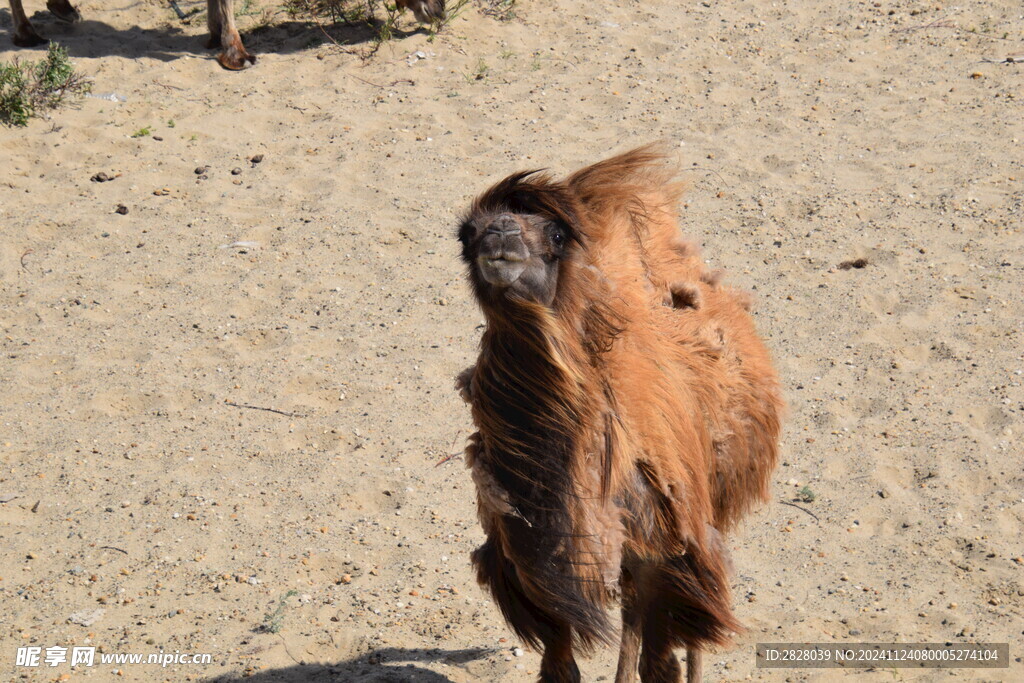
(557, 664)
(220, 18)
(24, 34)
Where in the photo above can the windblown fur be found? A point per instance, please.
(621, 427)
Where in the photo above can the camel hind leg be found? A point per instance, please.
(693, 665)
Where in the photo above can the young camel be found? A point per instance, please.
(627, 413)
(220, 18)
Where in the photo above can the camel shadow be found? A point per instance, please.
(94, 38)
(386, 665)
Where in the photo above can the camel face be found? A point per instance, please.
(514, 254)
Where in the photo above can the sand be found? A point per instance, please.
(227, 416)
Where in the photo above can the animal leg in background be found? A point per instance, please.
(63, 10)
(25, 34)
(220, 18)
(425, 11)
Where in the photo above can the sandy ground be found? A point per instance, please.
(141, 476)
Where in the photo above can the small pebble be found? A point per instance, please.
(236, 171)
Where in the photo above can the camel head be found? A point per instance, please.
(516, 237)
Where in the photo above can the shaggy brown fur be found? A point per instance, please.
(220, 18)
(626, 411)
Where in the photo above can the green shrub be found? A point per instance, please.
(28, 89)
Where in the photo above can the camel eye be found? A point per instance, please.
(558, 238)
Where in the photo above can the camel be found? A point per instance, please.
(627, 416)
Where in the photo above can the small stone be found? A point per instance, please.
(200, 170)
(121, 209)
(977, 74)
(255, 159)
(518, 652)
(345, 578)
(236, 171)
(87, 617)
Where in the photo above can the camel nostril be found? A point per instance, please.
(505, 225)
